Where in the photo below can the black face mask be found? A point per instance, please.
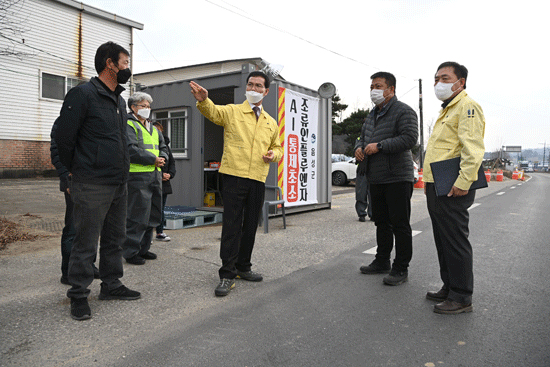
(123, 75)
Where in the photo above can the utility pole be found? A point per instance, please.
(543, 155)
(421, 124)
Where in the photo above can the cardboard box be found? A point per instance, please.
(210, 199)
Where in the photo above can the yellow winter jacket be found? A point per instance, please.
(245, 140)
(458, 132)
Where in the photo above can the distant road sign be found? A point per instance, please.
(513, 148)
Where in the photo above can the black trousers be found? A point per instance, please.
(450, 218)
(67, 236)
(391, 210)
(99, 214)
(363, 200)
(242, 204)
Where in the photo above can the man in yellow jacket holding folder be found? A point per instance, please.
(458, 132)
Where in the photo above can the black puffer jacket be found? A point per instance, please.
(396, 128)
(91, 135)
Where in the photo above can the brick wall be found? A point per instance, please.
(21, 158)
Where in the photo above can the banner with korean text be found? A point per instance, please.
(300, 118)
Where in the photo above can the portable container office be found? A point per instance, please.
(304, 120)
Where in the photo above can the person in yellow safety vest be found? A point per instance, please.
(147, 153)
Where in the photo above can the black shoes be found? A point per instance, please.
(225, 286)
(396, 277)
(140, 259)
(375, 268)
(149, 256)
(122, 293)
(439, 296)
(135, 260)
(80, 310)
(449, 307)
(250, 276)
(362, 219)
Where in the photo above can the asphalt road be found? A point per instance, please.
(313, 308)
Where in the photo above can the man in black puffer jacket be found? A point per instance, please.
(384, 153)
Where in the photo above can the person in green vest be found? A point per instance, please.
(147, 154)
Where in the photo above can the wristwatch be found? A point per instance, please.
(379, 146)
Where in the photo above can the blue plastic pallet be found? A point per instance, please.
(190, 220)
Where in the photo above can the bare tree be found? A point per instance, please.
(12, 27)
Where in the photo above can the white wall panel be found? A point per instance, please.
(53, 30)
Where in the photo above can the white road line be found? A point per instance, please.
(473, 206)
(512, 187)
(501, 193)
(372, 251)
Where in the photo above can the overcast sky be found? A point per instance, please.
(503, 44)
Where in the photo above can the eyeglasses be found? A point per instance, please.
(143, 105)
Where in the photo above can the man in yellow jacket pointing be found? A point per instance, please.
(251, 143)
(458, 132)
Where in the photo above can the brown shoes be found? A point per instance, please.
(439, 296)
(449, 307)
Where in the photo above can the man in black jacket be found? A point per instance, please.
(384, 150)
(91, 139)
(68, 233)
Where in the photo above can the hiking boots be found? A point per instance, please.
(224, 287)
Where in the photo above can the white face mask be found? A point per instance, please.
(377, 96)
(444, 91)
(144, 112)
(253, 96)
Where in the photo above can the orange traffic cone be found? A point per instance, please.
(500, 176)
(419, 184)
(515, 175)
(488, 175)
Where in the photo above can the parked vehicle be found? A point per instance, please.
(343, 171)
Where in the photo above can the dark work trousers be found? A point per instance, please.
(391, 209)
(450, 218)
(243, 199)
(67, 235)
(144, 211)
(160, 227)
(363, 200)
(98, 211)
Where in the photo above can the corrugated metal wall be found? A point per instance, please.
(53, 28)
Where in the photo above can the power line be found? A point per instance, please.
(143, 43)
(46, 52)
(293, 35)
